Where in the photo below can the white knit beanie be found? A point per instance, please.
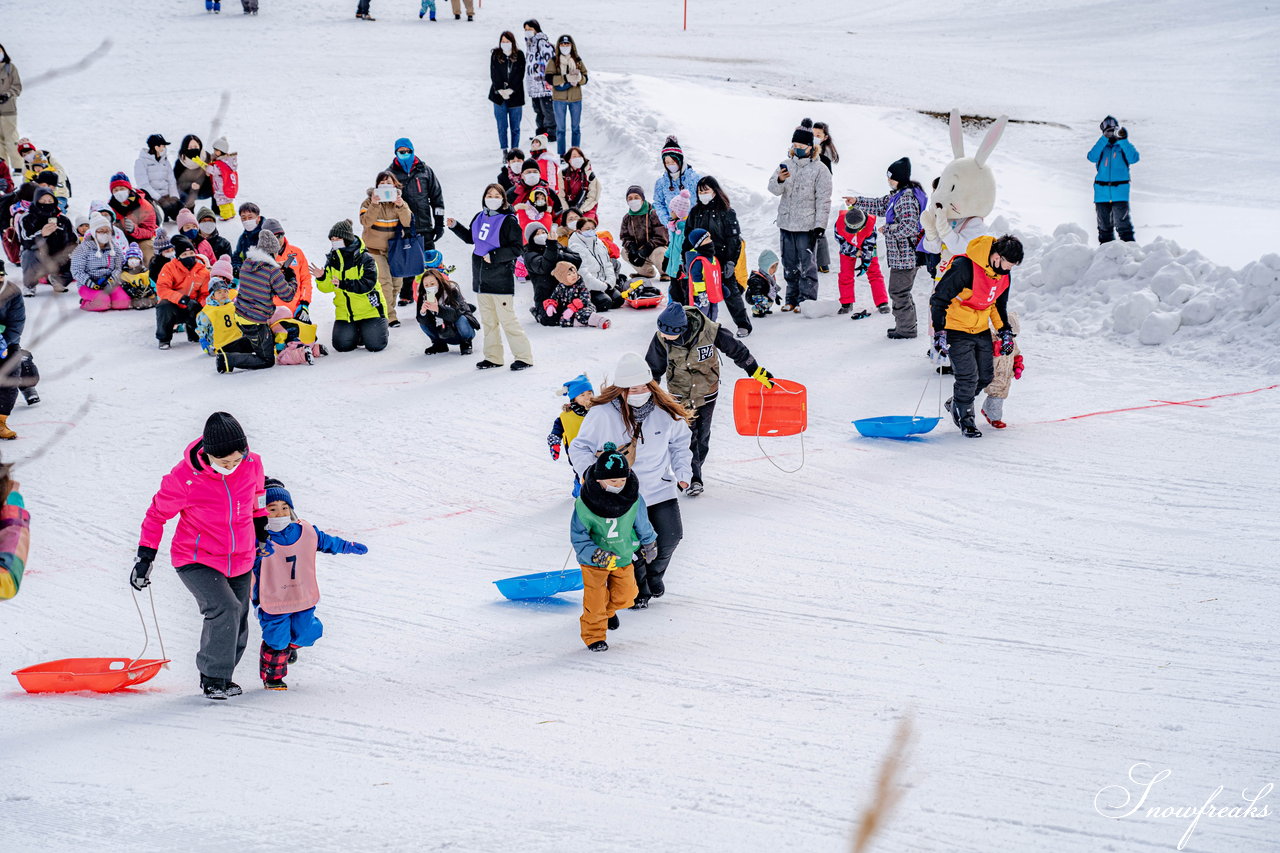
(631, 370)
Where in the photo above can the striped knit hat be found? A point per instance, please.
(118, 180)
(671, 148)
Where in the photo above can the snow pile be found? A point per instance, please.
(1157, 294)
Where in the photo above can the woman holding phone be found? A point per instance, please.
(383, 211)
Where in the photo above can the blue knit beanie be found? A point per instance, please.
(672, 321)
(279, 493)
(579, 384)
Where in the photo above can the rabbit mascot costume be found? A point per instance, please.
(965, 195)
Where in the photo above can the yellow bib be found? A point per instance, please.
(223, 318)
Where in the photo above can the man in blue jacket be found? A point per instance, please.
(1113, 154)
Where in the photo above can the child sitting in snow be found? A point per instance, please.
(856, 237)
(216, 324)
(136, 281)
(564, 429)
(286, 588)
(609, 523)
(571, 300)
(1007, 368)
(762, 285)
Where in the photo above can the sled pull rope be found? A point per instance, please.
(924, 391)
(760, 423)
(146, 635)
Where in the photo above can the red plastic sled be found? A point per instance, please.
(100, 675)
(781, 410)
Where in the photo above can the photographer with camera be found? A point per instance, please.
(1113, 154)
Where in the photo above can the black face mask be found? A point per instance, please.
(188, 262)
(193, 153)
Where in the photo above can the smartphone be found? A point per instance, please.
(387, 193)
(782, 167)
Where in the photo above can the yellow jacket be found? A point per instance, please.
(968, 296)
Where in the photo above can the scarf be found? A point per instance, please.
(608, 505)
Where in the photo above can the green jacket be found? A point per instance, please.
(352, 276)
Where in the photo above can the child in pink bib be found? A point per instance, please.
(287, 592)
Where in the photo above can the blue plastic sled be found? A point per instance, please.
(895, 426)
(540, 585)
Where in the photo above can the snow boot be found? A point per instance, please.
(598, 646)
(998, 424)
(471, 17)
(657, 586)
(963, 419)
(31, 395)
(275, 684)
(465, 349)
(613, 622)
(293, 654)
(486, 364)
(860, 315)
(695, 489)
(436, 348)
(845, 309)
(165, 345)
(642, 603)
(895, 335)
(233, 689)
(214, 688)
(5, 432)
(743, 332)
(883, 307)
(520, 365)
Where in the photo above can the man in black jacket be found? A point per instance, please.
(421, 191)
(686, 350)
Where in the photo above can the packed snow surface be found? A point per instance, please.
(1050, 605)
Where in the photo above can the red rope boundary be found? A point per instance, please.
(1156, 404)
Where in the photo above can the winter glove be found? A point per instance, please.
(4, 99)
(649, 552)
(575, 306)
(140, 578)
(764, 377)
(929, 223)
(187, 303)
(127, 225)
(355, 548)
(602, 558)
(554, 445)
(1006, 342)
(550, 307)
(265, 548)
(1017, 367)
(817, 233)
(437, 233)
(940, 344)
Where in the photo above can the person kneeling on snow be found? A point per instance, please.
(571, 300)
(610, 521)
(686, 348)
(287, 591)
(971, 297)
(350, 274)
(261, 283)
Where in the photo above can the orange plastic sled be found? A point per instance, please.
(100, 675)
(781, 410)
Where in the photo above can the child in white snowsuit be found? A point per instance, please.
(1007, 368)
(610, 522)
(286, 591)
(564, 429)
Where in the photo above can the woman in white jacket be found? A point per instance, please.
(596, 268)
(153, 172)
(652, 428)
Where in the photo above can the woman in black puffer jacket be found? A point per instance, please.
(714, 214)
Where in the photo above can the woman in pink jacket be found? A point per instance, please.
(217, 492)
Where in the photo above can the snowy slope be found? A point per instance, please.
(1051, 604)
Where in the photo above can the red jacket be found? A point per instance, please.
(215, 512)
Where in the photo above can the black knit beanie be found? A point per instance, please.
(611, 464)
(343, 230)
(900, 170)
(223, 435)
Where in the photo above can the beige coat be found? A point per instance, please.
(11, 85)
(379, 219)
(1003, 365)
(558, 73)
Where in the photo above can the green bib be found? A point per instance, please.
(615, 535)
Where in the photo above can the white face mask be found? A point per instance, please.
(506, 48)
(30, 156)
(121, 195)
(208, 227)
(637, 400)
(706, 198)
(587, 232)
(540, 239)
(514, 166)
(529, 34)
(492, 203)
(531, 179)
(635, 204)
(576, 162)
(613, 490)
(226, 472)
(161, 151)
(338, 244)
(103, 239)
(673, 168)
(565, 49)
(275, 525)
(249, 224)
